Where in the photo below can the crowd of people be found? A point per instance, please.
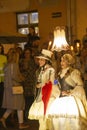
(54, 88)
(12, 77)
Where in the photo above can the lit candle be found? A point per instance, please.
(78, 45)
(71, 48)
(49, 45)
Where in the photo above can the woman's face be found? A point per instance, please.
(64, 63)
(27, 54)
(31, 31)
(42, 62)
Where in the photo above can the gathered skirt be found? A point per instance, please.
(36, 110)
(68, 113)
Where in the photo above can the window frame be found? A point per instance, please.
(19, 26)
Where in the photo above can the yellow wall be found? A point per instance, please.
(47, 23)
(7, 27)
(7, 23)
(81, 17)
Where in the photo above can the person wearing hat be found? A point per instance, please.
(33, 38)
(70, 111)
(47, 90)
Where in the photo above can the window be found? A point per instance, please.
(24, 20)
(33, 18)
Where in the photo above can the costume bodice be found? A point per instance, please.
(64, 85)
(44, 76)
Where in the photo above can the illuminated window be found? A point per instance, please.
(22, 19)
(25, 19)
(33, 18)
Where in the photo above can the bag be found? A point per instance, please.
(17, 90)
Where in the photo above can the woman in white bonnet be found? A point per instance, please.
(47, 90)
(69, 110)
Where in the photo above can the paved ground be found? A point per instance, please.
(12, 123)
(33, 125)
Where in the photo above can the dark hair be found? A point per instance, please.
(26, 49)
(32, 27)
(2, 49)
(48, 62)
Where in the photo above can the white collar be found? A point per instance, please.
(63, 72)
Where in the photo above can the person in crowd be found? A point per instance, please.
(84, 39)
(11, 102)
(20, 51)
(33, 38)
(47, 91)
(28, 68)
(48, 42)
(55, 62)
(84, 64)
(77, 53)
(3, 61)
(69, 110)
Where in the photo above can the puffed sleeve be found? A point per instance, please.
(76, 77)
(79, 87)
(51, 75)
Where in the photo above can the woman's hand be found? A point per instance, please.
(65, 93)
(38, 85)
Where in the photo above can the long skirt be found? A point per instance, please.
(68, 113)
(36, 110)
